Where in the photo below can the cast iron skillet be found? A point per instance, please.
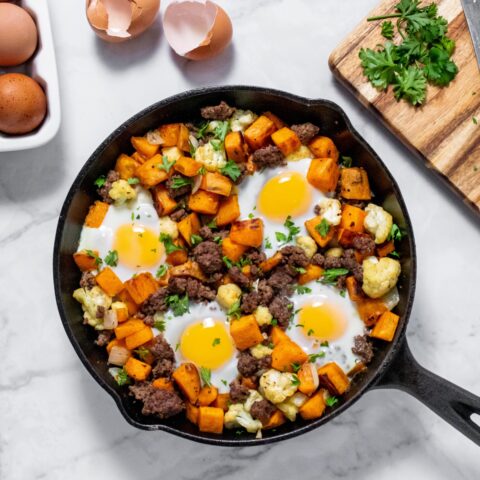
(393, 365)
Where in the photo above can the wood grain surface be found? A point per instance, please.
(443, 132)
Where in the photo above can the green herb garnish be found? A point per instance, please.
(142, 352)
(295, 380)
(133, 181)
(216, 341)
(234, 311)
(92, 254)
(296, 367)
(313, 357)
(167, 241)
(232, 170)
(201, 130)
(221, 130)
(179, 182)
(387, 30)
(112, 258)
(346, 162)
(195, 239)
(162, 270)
(159, 324)
(331, 275)
(396, 233)
(206, 376)
(121, 377)
(179, 305)
(331, 401)
(100, 181)
(323, 228)
(166, 164)
(301, 289)
(268, 243)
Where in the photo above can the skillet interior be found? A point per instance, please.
(293, 109)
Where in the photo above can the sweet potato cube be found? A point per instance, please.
(278, 335)
(139, 338)
(204, 202)
(386, 248)
(178, 257)
(164, 204)
(314, 407)
(188, 269)
(138, 157)
(150, 174)
(245, 332)
(141, 287)
(386, 326)
(138, 370)
(323, 174)
(207, 395)
(248, 232)
(286, 140)
(308, 377)
(128, 328)
(354, 290)
(233, 251)
(163, 384)
(228, 211)
(96, 214)
(222, 401)
(210, 419)
(170, 134)
(183, 142)
(191, 411)
(127, 299)
(121, 311)
(277, 419)
(115, 343)
(354, 184)
(188, 381)
(249, 382)
(312, 225)
(272, 262)
(312, 272)
(352, 218)
(188, 226)
(333, 378)
(370, 310)
(216, 183)
(144, 147)
(258, 133)
(86, 262)
(323, 147)
(109, 282)
(235, 147)
(126, 166)
(187, 166)
(279, 123)
(285, 353)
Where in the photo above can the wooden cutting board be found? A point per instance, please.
(442, 132)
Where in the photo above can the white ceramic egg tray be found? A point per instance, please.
(43, 68)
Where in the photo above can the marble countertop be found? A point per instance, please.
(55, 421)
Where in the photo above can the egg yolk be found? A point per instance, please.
(207, 344)
(285, 194)
(322, 321)
(137, 246)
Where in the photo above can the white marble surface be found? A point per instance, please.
(56, 423)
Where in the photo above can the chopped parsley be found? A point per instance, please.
(310, 332)
(100, 181)
(323, 228)
(177, 346)
(179, 305)
(121, 377)
(295, 380)
(474, 120)
(216, 144)
(292, 230)
(301, 289)
(162, 270)
(179, 182)
(268, 243)
(142, 352)
(274, 322)
(300, 270)
(216, 341)
(159, 324)
(227, 261)
(331, 401)
(295, 367)
(232, 170)
(325, 344)
(167, 241)
(201, 130)
(166, 164)
(387, 30)
(331, 275)
(251, 216)
(224, 382)
(221, 130)
(234, 311)
(206, 376)
(133, 181)
(394, 254)
(396, 233)
(202, 170)
(313, 357)
(212, 223)
(346, 161)
(92, 254)
(112, 258)
(342, 293)
(195, 239)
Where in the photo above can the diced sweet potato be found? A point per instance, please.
(210, 419)
(170, 134)
(126, 166)
(314, 407)
(278, 335)
(191, 412)
(272, 262)
(115, 343)
(204, 202)
(354, 184)
(139, 338)
(251, 168)
(235, 147)
(128, 328)
(386, 326)
(138, 157)
(121, 312)
(245, 332)
(248, 232)
(188, 226)
(216, 183)
(323, 147)
(277, 419)
(249, 382)
(312, 272)
(164, 204)
(333, 378)
(187, 166)
(207, 395)
(258, 133)
(144, 147)
(285, 353)
(228, 211)
(353, 289)
(358, 368)
(386, 248)
(178, 257)
(323, 174)
(233, 251)
(222, 401)
(188, 269)
(163, 384)
(276, 120)
(109, 282)
(352, 218)
(150, 174)
(286, 140)
(308, 377)
(188, 381)
(141, 287)
(183, 140)
(96, 214)
(137, 370)
(127, 299)
(86, 262)
(311, 226)
(370, 310)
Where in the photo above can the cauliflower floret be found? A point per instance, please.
(307, 244)
(378, 222)
(379, 275)
(253, 397)
(236, 416)
(172, 153)
(121, 192)
(335, 252)
(228, 295)
(263, 316)
(277, 386)
(291, 405)
(213, 159)
(260, 351)
(168, 227)
(91, 300)
(241, 119)
(299, 154)
(331, 210)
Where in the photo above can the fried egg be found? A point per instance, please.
(132, 230)
(202, 336)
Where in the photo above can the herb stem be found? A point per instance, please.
(383, 17)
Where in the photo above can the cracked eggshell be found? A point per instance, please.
(120, 20)
(197, 29)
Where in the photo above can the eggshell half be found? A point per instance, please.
(197, 29)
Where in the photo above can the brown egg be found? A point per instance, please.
(18, 35)
(23, 104)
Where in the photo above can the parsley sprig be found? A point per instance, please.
(232, 170)
(206, 376)
(292, 231)
(179, 305)
(330, 276)
(166, 164)
(167, 241)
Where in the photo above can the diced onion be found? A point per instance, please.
(197, 181)
(391, 298)
(118, 356)
(110, 320)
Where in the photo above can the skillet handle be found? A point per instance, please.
(454, 404)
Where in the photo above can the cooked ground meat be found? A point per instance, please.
(250, 301)
(332, 262)
(281, 309)
(341, 282)
(363, 348)
(88, 280)
(349, 261)
(262, 410)
(318, 259)
(294, 257)
(264, 363)
(104, 336)
(256, 257)
(161, 349)
(238, 277)
(208, 255)
(157, 401)
(255, 272)
(112, 176)
(178, 215)
(269, 156)
(238, 392)
(305, 131)
(163, 368)
(247, 364)
(206, 233)
(282, 279)
(243, 173)
(265, 292)
(156, 302)
(148, 320)
(195, 289)
(178, 192)
(364, 244)
(222, 111)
